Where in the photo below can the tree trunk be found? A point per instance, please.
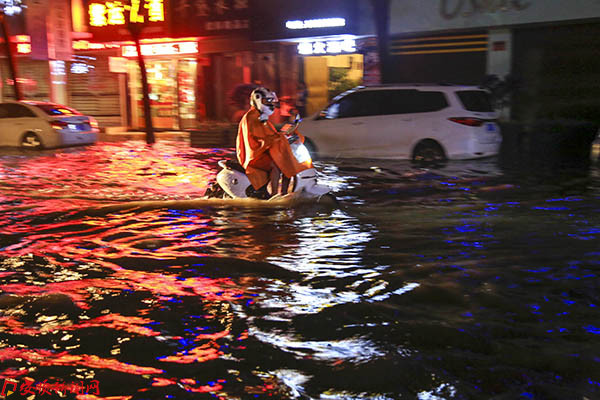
(150, 139)
(381, 11)
(12, 65)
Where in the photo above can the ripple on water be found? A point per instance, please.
(460, 282)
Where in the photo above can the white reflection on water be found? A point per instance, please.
(356, 350)
(328, 246)
(443, 392)
(294, 299)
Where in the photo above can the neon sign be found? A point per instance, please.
(161, 49)
(327, 47)
(316, 23)
(115, 13)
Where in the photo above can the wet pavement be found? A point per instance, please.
(472, 280)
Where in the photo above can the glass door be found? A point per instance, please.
(186, 93)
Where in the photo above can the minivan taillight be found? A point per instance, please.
(58, 125)
(468, 121)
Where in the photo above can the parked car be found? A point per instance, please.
(418, 122)
(43, 125)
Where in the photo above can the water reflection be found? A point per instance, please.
(461, 282)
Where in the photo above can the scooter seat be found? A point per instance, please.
(234, 165)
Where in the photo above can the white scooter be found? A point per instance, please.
(232, 181)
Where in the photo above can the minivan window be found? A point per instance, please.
(408, 101)
(386, 102)
(475, 100)
(360, 104)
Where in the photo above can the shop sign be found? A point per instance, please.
(303, 18)
(161, 49)
(58, 23)
(210, 17)
(327, 47)
(110, 20)
(315, 23)
(413, 16)
(50, 29)
(87, 45)
(113, 13)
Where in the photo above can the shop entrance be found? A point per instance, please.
(172, 86)
(328, 76)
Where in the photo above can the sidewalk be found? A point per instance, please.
(221, 135)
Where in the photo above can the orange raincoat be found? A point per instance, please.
(259, 145)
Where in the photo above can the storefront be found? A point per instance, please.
(171, 70)
(193, 54)
(548, 46)
(323, 40)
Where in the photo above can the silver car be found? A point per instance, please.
(44, 125)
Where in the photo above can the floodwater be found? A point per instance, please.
(464, 281)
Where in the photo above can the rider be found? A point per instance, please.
(262, 150)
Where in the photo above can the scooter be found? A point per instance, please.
(232, 182)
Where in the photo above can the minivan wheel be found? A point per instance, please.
(429, 151)
(31, 141)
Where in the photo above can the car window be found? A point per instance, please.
(55, 109)
(386, 102)
(358, 104)
(409, 101)
(475, 100)
(11, 110)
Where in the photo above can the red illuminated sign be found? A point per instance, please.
(109, 20)
(162, 49)
(113, 13)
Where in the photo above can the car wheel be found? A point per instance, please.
(429, 151)
(31, 141)
(310, 146)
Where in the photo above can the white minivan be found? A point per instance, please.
(417, 122)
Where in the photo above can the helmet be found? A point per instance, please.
(264, 101)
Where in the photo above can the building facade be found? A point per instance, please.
(549, 47)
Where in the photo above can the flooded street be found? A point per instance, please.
(467, 281)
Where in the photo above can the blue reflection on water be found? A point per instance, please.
(592, 329)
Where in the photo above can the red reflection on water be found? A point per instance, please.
(202, 353)
(128, 324)
(46, 358)
(113, 171)
(79, 291)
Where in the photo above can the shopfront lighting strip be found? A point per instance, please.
(315, 23)
(161, 49)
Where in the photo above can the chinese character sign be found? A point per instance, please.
(119, 12)
(210, 17)
(103, 16)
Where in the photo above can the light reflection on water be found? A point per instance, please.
(462, 282)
